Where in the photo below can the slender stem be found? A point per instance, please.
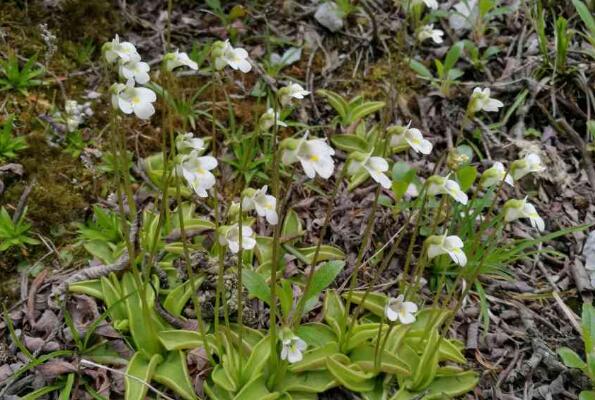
(126, 175)
(362, 250)
(187, 261)
(219, 293)
(119, 194)
(375, 278)
(473, 254)
(412, 240)
(239, 294)
(276, 237)
(119, 171)
(380, 349)
(419, 268)
(167, 174)
(331, 202)
(467, 211)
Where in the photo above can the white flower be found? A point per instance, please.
(225, 54)
(481, 100)
(530, 163)
(72, 107)
(451, 245)
(411, 191)
(230, 237)
(292, 349)
(264, 204)
(267, 120)
(432, 4)
(291, 91)
(74, 114)
(133, 99)
(465, 15)
(404, 135)
(196, 171)
(374, 166)
(123, 51)
(494, 175)
(177, 59)
(314, 155)
(135, 71)
(399, 310)
(73, 122)
(516, 209)
(428, 32)
(443, 185)
(187, 141)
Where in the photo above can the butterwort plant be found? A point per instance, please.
(390, 344)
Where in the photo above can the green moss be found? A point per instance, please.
(58, 195)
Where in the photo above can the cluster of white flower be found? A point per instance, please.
(193, 166)
(315, 156)
(436, 245)
(74, 114)
(128, 98)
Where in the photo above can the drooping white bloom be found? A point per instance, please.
(187, 142)
(405, 135)
(122, 51)
(451, 245)
(374, 166)
(428, 31)
(443, 185)
(225, 54)
(516, 209)
(292, 349)
(177, 59)
(530, 163)
(397, 309)
(481, 100)
(315, 156)
(137, 100)
(494, 175)
(230, 237)
(291, 91)
(267, 120)
(264, 204)
(135, 71)
(196, 171)
(465, 15)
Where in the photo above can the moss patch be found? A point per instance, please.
(57, 197)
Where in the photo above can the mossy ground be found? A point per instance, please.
(63, 187)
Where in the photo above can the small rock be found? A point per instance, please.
(330, 16)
